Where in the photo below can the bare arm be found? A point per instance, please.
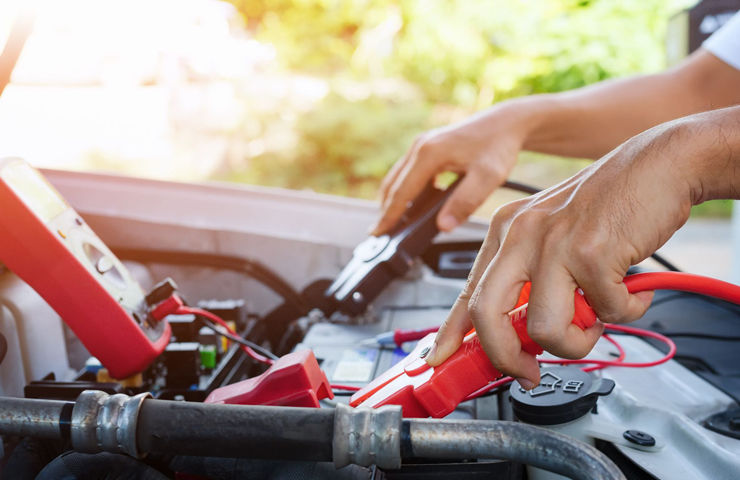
(591, 121)
(586, 232)
(587, 122)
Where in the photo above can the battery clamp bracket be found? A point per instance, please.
(379, 259)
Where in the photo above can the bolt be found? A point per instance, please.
(640, 438)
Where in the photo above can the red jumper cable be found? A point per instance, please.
(424, 391)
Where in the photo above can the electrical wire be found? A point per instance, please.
(262, 355)
(506, 380)
(218, 329)
(531, 190)
(635, 283)
(684, 282)
(521, 187)
(665, 262)
(248, 347)
(250, 268)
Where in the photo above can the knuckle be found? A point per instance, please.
(464, 204)
(503, 365)
(504, 214)
(525, 222)
(489, 170)
(611, 316)
(544, 332)
(426, 149)
(590, 250)
(477, 308)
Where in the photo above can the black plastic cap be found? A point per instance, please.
(161, 291)
(563, 395)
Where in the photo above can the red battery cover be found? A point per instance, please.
(294, 380)
(48, 245)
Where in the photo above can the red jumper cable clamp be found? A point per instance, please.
(425, 391)
(294, 380)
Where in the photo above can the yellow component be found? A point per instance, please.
(225, 341)
(133, 381)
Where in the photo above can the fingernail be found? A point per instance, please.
(447, 223)
(429, 352)
(526, 384)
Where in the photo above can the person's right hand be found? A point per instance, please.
(484, 147)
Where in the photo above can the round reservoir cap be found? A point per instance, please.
(564, 394)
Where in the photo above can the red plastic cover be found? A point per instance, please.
(294, 380)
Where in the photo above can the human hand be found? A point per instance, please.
(484, 147)
(585, 232)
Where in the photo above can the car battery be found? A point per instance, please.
(349, 356)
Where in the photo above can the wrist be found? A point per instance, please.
(535, 116)
(523, 116)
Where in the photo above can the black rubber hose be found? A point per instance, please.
(29, 457)
(88, 466)
(189, 428)
(518, 442)
(214, 468)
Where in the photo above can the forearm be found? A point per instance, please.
(712, 159)
(591, 121)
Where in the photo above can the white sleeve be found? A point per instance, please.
(725, 42)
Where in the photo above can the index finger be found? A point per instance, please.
(458, 323)
(495, 296)
(412, 178)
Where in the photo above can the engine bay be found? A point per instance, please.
(272, 265)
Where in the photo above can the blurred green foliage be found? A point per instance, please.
(454, 57)
(345, 146)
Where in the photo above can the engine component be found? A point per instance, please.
(564, 394)
(293, 380)
(133, 425)
(182, 361)
(47, 244)
(86, 466)
(726, 423)
(515, 441)
(378, 260)
(184, 328)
